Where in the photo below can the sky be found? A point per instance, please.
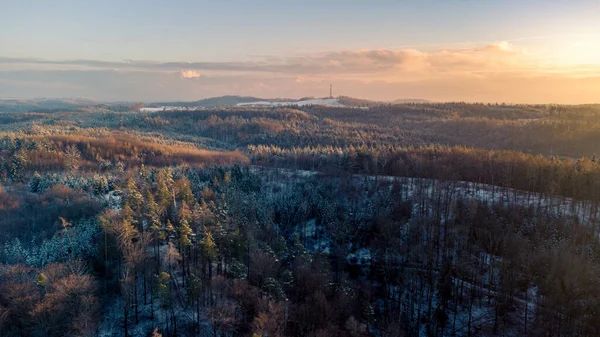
(527, 51)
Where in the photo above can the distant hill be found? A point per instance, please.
(358, 102)
(42, 104)
(302, 102)
(230, 100)
(212, 102)
(233, 100)
(410, 100)
(68, 104)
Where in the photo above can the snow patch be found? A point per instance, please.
(169, 108)
(361, 257)
(323, 101)
(113, 200)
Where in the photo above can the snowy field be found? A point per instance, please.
(267, 104)
(324, 101)
(169, 108)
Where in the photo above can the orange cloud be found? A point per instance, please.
(494, 57)
(494, 72)
(190, 74)
(405, 64)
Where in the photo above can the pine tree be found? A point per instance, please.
(184, 212)
(100, 185)
(163, 289)
(287, 279)
(209, 249)
(184, 234)
(196, 216)
(153, 219)
(273, 288)
(19, 162)
(127, 213)
(134, 197)
(184, 191)
(144, 172)
(164, 197)
(127, 231)
(151, 213)
(34, 183)
(169, 230)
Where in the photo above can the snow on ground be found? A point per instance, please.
(151, 314)
(322, 101)
(415, 189)
(488, 194)
(361, 257)
(427, 189)
(112, 322)
(113, 200)
(268, 104)
(167, 108)
(315, 239)
(287, 173)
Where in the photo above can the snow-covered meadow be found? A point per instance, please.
(322, 101)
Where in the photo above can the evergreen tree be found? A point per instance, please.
(19, 162)
(164, 196)
(35, 183)
(100, 184)
(196, 216)
(151, 213)
(153, 220)
(184, 234)
(163, 289)
(134, 197)
(184, 212)
(209, 249)
(168, 231)
(184, 191)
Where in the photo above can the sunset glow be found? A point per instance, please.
(534, 52)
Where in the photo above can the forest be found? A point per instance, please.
(408, 219)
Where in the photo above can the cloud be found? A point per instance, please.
(341, 62)
(495, 57)
(190, 74)
(304, 79)
(494, 72)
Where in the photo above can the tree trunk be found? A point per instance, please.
(125, 320)
(135, 298)
(145, 289)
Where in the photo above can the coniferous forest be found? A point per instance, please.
(411, 219)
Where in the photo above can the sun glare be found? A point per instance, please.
(575, 50)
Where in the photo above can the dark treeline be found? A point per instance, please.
(568, 177)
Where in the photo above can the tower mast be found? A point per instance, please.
(330, 91)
